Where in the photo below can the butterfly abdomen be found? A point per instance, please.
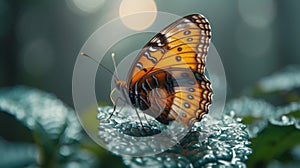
(151, 95)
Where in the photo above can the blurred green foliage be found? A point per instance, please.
(58, 137)
(274, 143)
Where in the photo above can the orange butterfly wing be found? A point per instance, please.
(191, 34)
(178, 52)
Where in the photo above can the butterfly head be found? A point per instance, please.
(120, 85)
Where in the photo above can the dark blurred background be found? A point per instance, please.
(40, 40)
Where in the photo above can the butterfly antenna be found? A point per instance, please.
(86, 55)
(115, 66)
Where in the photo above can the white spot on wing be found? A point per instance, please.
(139, 65)
(152, 49)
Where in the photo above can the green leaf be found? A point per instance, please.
(55, 128)
(212, 142)
(274, 143)
(17, 154)
(280, 88)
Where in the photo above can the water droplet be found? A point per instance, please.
(211, 142)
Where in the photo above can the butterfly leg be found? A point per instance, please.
(115, 106)
(140, 119)
(147, 120)
(111, 98)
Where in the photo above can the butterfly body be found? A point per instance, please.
(167, 80)
(149, 94)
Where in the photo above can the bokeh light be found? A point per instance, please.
(30, 25)
(37, 57)
(85, 6)
(147, 13)
(257, 13)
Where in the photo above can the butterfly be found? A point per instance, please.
(167, 79)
